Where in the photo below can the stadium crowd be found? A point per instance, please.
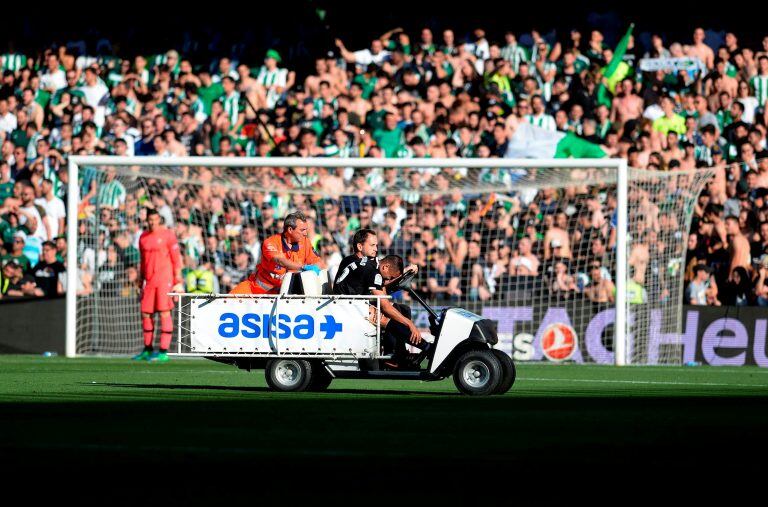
(406, 95)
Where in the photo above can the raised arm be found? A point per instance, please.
(348, 56)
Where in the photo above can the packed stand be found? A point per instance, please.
(436, 96)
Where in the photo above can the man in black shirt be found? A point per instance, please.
(362, 274)
(47, 271)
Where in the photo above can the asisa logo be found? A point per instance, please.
(281, 326)
(559, 342)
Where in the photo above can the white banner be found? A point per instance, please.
(281, 326)
(675, 64)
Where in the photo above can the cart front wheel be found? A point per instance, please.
(478, 373)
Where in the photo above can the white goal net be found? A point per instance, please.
(534, 245)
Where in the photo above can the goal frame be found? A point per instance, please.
(622, 181)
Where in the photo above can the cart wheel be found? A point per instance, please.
(289, 374)
(321, 379)
(508, 367)
(478, 373)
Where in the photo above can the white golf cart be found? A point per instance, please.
(306, 337)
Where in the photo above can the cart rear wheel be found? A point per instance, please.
(508, 367)
(289, 374)
(478, 373)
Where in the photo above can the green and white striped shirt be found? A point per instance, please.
(760, 86)
(514, 54)
(410, 196)
(543, 120)
(304, 180)
(14, 62)
(52, 174)
(232, 106)
(703, 153)
(546, 90)
(198, 109)
(157, 59)
(111, 194)
(320, 102)
(271, 79)
(346, 151)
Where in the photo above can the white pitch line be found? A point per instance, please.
(642, 382)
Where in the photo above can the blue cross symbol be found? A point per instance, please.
(330, 327)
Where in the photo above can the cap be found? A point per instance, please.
(555, 243)
(369, 200)
(20, 234)
(308, 100)
(271, 53)
(12, 262)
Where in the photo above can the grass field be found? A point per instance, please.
(87, 411)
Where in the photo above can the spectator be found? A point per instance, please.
(738, 246)
(738, 290)
(443, 279)
(525, 263)
(237, 271)
(47, 272)
(202, 279)
(599, 290)
(563, 284)
(18, 242)
(16, 284)
(55, 212)
(395, 99)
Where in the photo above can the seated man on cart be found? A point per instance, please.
(362, 273)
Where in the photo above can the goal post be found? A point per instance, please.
(616, 198)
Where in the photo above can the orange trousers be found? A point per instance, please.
(253, 285)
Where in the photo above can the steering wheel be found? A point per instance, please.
(401, 282)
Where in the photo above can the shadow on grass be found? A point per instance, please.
(351, 436)
(330, 391)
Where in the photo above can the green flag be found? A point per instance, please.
(618, 53)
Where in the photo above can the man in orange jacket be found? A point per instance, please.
(281, 253)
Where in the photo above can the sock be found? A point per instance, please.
(388, 341)
(148, 325)
(166, 332)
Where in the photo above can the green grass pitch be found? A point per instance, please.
(84, 411)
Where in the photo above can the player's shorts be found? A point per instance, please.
(253, 285)
(156, 299)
